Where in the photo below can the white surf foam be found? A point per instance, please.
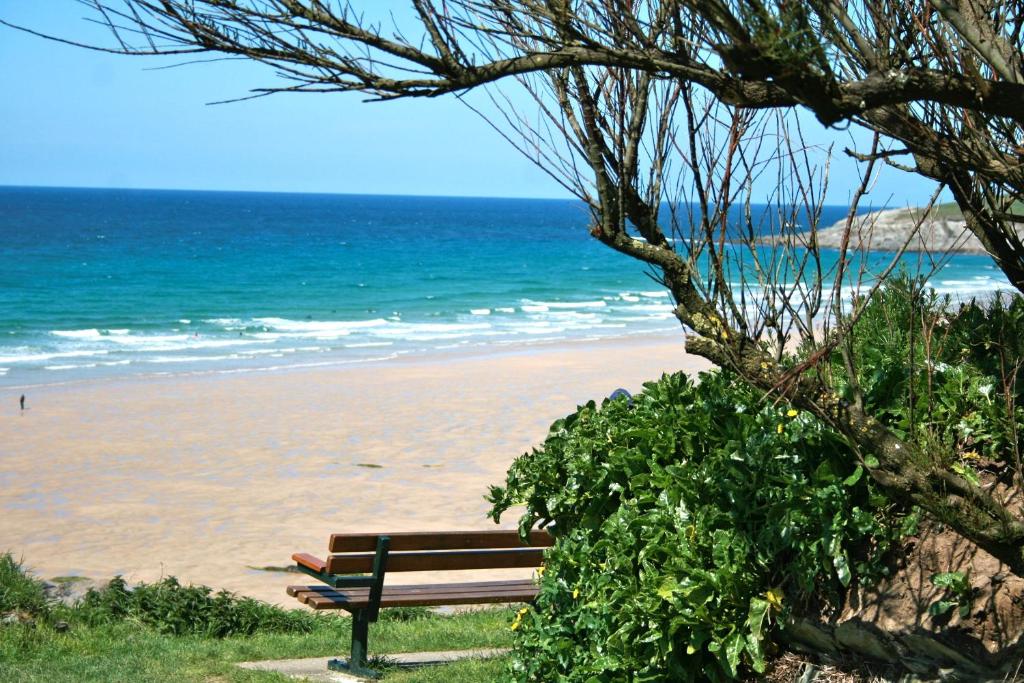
(186, 359)
(92, 333)
(286, 325)
(565, 304)
(44, 356)
(69, 367)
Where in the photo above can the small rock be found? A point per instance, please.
(69, 590)
(9, 618)
(809, 675)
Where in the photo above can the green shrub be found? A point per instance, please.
(943, 376)
(686, 525)
(689, 523)
(20, 592)
(168, 607)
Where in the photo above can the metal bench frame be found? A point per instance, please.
(363, 616)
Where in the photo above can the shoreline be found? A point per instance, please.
(334, 360)
(206, 476)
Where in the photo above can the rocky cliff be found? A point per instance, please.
(944, 230)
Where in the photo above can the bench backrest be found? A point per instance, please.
(436, 550)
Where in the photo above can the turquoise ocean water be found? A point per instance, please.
(102, 282)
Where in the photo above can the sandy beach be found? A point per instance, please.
(205, 477)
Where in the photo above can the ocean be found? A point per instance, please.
(97, 282)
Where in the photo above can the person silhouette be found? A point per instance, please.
(23, 402)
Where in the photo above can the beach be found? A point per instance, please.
(210, 476)
(217, 380)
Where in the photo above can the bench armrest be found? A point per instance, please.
(309, 562)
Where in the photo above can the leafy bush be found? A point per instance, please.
(20, 592)
(689, 522)
(686, 525)
(943, 376)
(171, 608)
(167, 606)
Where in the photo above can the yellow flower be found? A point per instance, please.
(779, 428)
(575, 593)
(540, 571)
(972, 455)
(517, 622)
(774, 597)
(764, 366)
(792, 413)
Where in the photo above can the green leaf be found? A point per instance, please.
(756, 650)
(698, 637)
(756, 616)
(722, 543)
(668, 586)
(953, 580)
(967, 473)
(734, 647)
(855, 477)
(871, 462)
(842, 569)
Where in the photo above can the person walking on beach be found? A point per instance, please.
(23, 403)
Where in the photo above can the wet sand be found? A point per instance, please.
(205, 477)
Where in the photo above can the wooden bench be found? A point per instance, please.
(354, 573)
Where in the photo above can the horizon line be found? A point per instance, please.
(4, 186)
(290, 192)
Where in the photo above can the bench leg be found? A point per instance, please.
(357, 661)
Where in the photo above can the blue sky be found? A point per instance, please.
(77, 118)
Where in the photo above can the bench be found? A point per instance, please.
(354, 575)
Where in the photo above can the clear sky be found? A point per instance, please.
(71, 117)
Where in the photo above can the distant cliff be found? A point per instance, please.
(944, 230)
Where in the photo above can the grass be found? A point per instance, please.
(20, 593)
(111, 639)
(950, 210)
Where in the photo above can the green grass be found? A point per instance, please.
(18, 591)
(950, 210)
(120, 643)
(127, 651)
(947, 210)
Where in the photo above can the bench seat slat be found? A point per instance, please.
(398, 596)
(294, 591)
(349, 600)
(438, 540)
(439, 561)
(419, 589)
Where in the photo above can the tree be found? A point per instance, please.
(655, 107)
